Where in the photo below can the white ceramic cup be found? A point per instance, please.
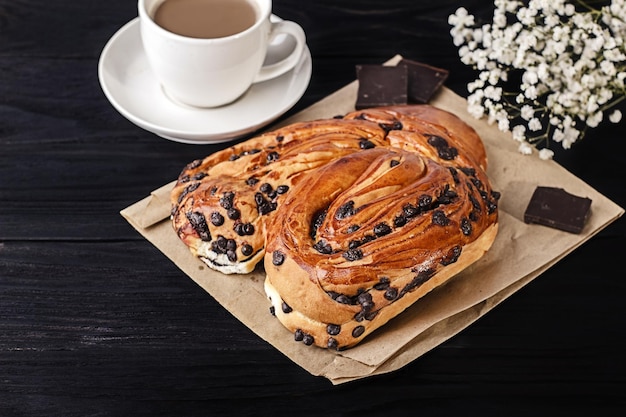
(215, 72)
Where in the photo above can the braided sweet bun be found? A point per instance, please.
(355, 217)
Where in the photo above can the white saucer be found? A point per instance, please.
(133, 90)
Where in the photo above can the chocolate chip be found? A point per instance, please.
(365, 300)
(332, 343)
(399, 221)
(298, 335)
(244, 229)
(447, 195)
(278, 258)
(198, 223)
(353, 254)
(370, 315)
(410, 210)
(231, 255)
(263, 205)
(217, 219)
(272, 156)
(470, 172)
(391, 293)
(382, 284)
(233, 213)
(286, 308)
(418, 280)
(272, 310)
(366, 144)
(280, 138)
(252, 181)
(316, 222)
(424, 202)
(475, 203)
(466, 226)
(358, 331)
(333, 329)
(440, 218)
(346, 210)
(437, 141)
(193, 164)
(352, 228)
(455, 174)
(215, 247)
(308, 339)
(444, 151)
(199, 176)
(248, 229)
(282, 189)
(323, 247)
(360, 316)
(266, 188)
(452, 256)
(226, 201)
(394, 163)
(246, 249)
(353, 244)
(343, 299)
(382, 229)
(447, 154)
(222, 243)
(388, 127)
(187, 190)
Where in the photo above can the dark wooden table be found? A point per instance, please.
(95, 321)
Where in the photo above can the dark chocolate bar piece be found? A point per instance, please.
(424, 80)
(381, 85)
(555, 207)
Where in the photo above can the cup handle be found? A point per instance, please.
(285, 27)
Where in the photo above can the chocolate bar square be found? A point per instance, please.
(381, 85)
(555, 207)
(424, 80)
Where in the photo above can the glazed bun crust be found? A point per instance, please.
(355, 218)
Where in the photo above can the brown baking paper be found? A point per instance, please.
(520, 253)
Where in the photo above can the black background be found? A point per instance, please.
(95, 321)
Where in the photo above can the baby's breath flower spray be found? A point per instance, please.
(548, 70)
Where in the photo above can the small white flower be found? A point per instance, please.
(476, 110)
(525, 149)
(527, 112)
(546, 154)
(519, 133)
(530, 77)
(503, 124)
(595, 119)
(461, 18)
(571, 67)
(534, 124)
(615, 116)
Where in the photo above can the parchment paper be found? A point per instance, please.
(520, 253)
